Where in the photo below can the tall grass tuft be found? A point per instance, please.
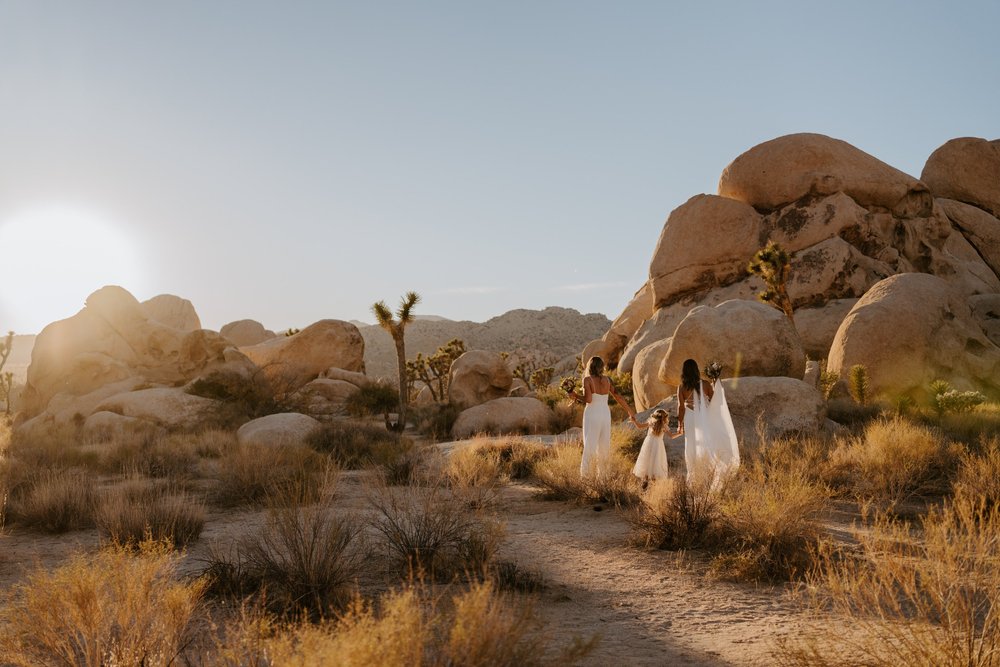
(474, 626)
(139, 510)
(427, 529)
(55, 501)
(112, 608)
(353, 445)
(475, 475)
(930, 598)
(978, 476)
(248, 474)
(560, 479)
(674, 515)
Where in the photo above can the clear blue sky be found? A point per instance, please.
(291, 161)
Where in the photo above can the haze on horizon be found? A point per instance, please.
(291, 163)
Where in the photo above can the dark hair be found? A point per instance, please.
(659, 421)
(691, 376)
(595, 367)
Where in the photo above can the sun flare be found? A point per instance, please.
(55, 256)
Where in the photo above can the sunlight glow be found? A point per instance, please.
(53, 258)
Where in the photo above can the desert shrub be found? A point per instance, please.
(152, 456)
(560, 479)
(767, 527)
(210, 443)
(411, 626)
(427, 529)
(957, 402)
(248, 474)
(978, 476)
(305, 559)
(808, 457)
(377, 398)
(55, 501)
(627, 440)
(551, 395)
(511, 576)
(352, 445)
(475, 475)
(673, 514)
(846, 411)
(565, 416)
(266, 391)
(139, 510)
(112, 608)
(930, 598)
(895, 460)
(973, 426)
(435, 420)
(516, 457)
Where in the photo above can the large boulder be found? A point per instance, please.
(110, 426)
(326, 397)
(359, 380)
(169, 407)
(647, 387)
(244, 333)
(817, 327)
(282, 429)
(112, 339)
(503, 415)
(911, 329)
(832, 269)
(172, 311)
(746, 337)
(706, 242)
(478, 376)
(783, 170)
(783, 406)
(980, 228)
(966, 169)
(295, 360)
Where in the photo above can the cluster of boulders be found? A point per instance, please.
(894, 273)
(119, 363)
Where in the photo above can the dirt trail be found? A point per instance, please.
(648, 608)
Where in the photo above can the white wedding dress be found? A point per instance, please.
(709, 436)
(652, 460)
(596, 436)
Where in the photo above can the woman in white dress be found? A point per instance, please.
(597, 418)
(703, 414)
(652, 460)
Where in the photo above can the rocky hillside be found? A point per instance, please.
(559, 332)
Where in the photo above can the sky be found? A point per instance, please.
(294, 161)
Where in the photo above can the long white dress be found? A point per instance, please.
(652, 460)
(709, 436)
(596, 436)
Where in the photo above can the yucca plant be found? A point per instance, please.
(396, 327)
(858, 384)
(773, 264)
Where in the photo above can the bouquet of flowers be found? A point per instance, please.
(713, 371)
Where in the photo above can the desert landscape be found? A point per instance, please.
(177, 495)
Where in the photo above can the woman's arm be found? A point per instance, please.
(621, 401)
(708, 389)
(681, 407)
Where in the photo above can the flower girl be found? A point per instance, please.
(652, 460)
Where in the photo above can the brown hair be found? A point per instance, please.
(595, 367)
(659, 421)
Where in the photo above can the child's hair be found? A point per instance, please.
(658, 422)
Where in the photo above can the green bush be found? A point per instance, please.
(355, 446)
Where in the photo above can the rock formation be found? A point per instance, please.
(244, 333)
(849, 221)
(300, 358)
(503, 415)
(478, 376)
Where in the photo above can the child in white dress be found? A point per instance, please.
(652, 460)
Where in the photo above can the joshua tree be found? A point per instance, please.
(396, 326)
(773, 264)
(433, 370)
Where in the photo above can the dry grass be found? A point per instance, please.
(970, 427)
(516, 457)
(559, 476)
(54, 501)
(674, 515)
(305, 559)
(978, 474)
(152, 455)
(475, 475)
(248, 474)
(428, 529)
(895, 460)
(352, 445)
(474, 627)
(113, 608)
(767, 527)
(139, 510)
(929, 596)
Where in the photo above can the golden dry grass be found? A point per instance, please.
(411, 626)
(139, 510)
(978, 474)
(560, 479)
(54, 501)
(916, 595)
(112, 608)
(248, 474)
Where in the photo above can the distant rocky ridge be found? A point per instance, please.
(555, 331)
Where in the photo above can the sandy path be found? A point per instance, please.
(648, 609)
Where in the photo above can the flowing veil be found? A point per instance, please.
(713, 437)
